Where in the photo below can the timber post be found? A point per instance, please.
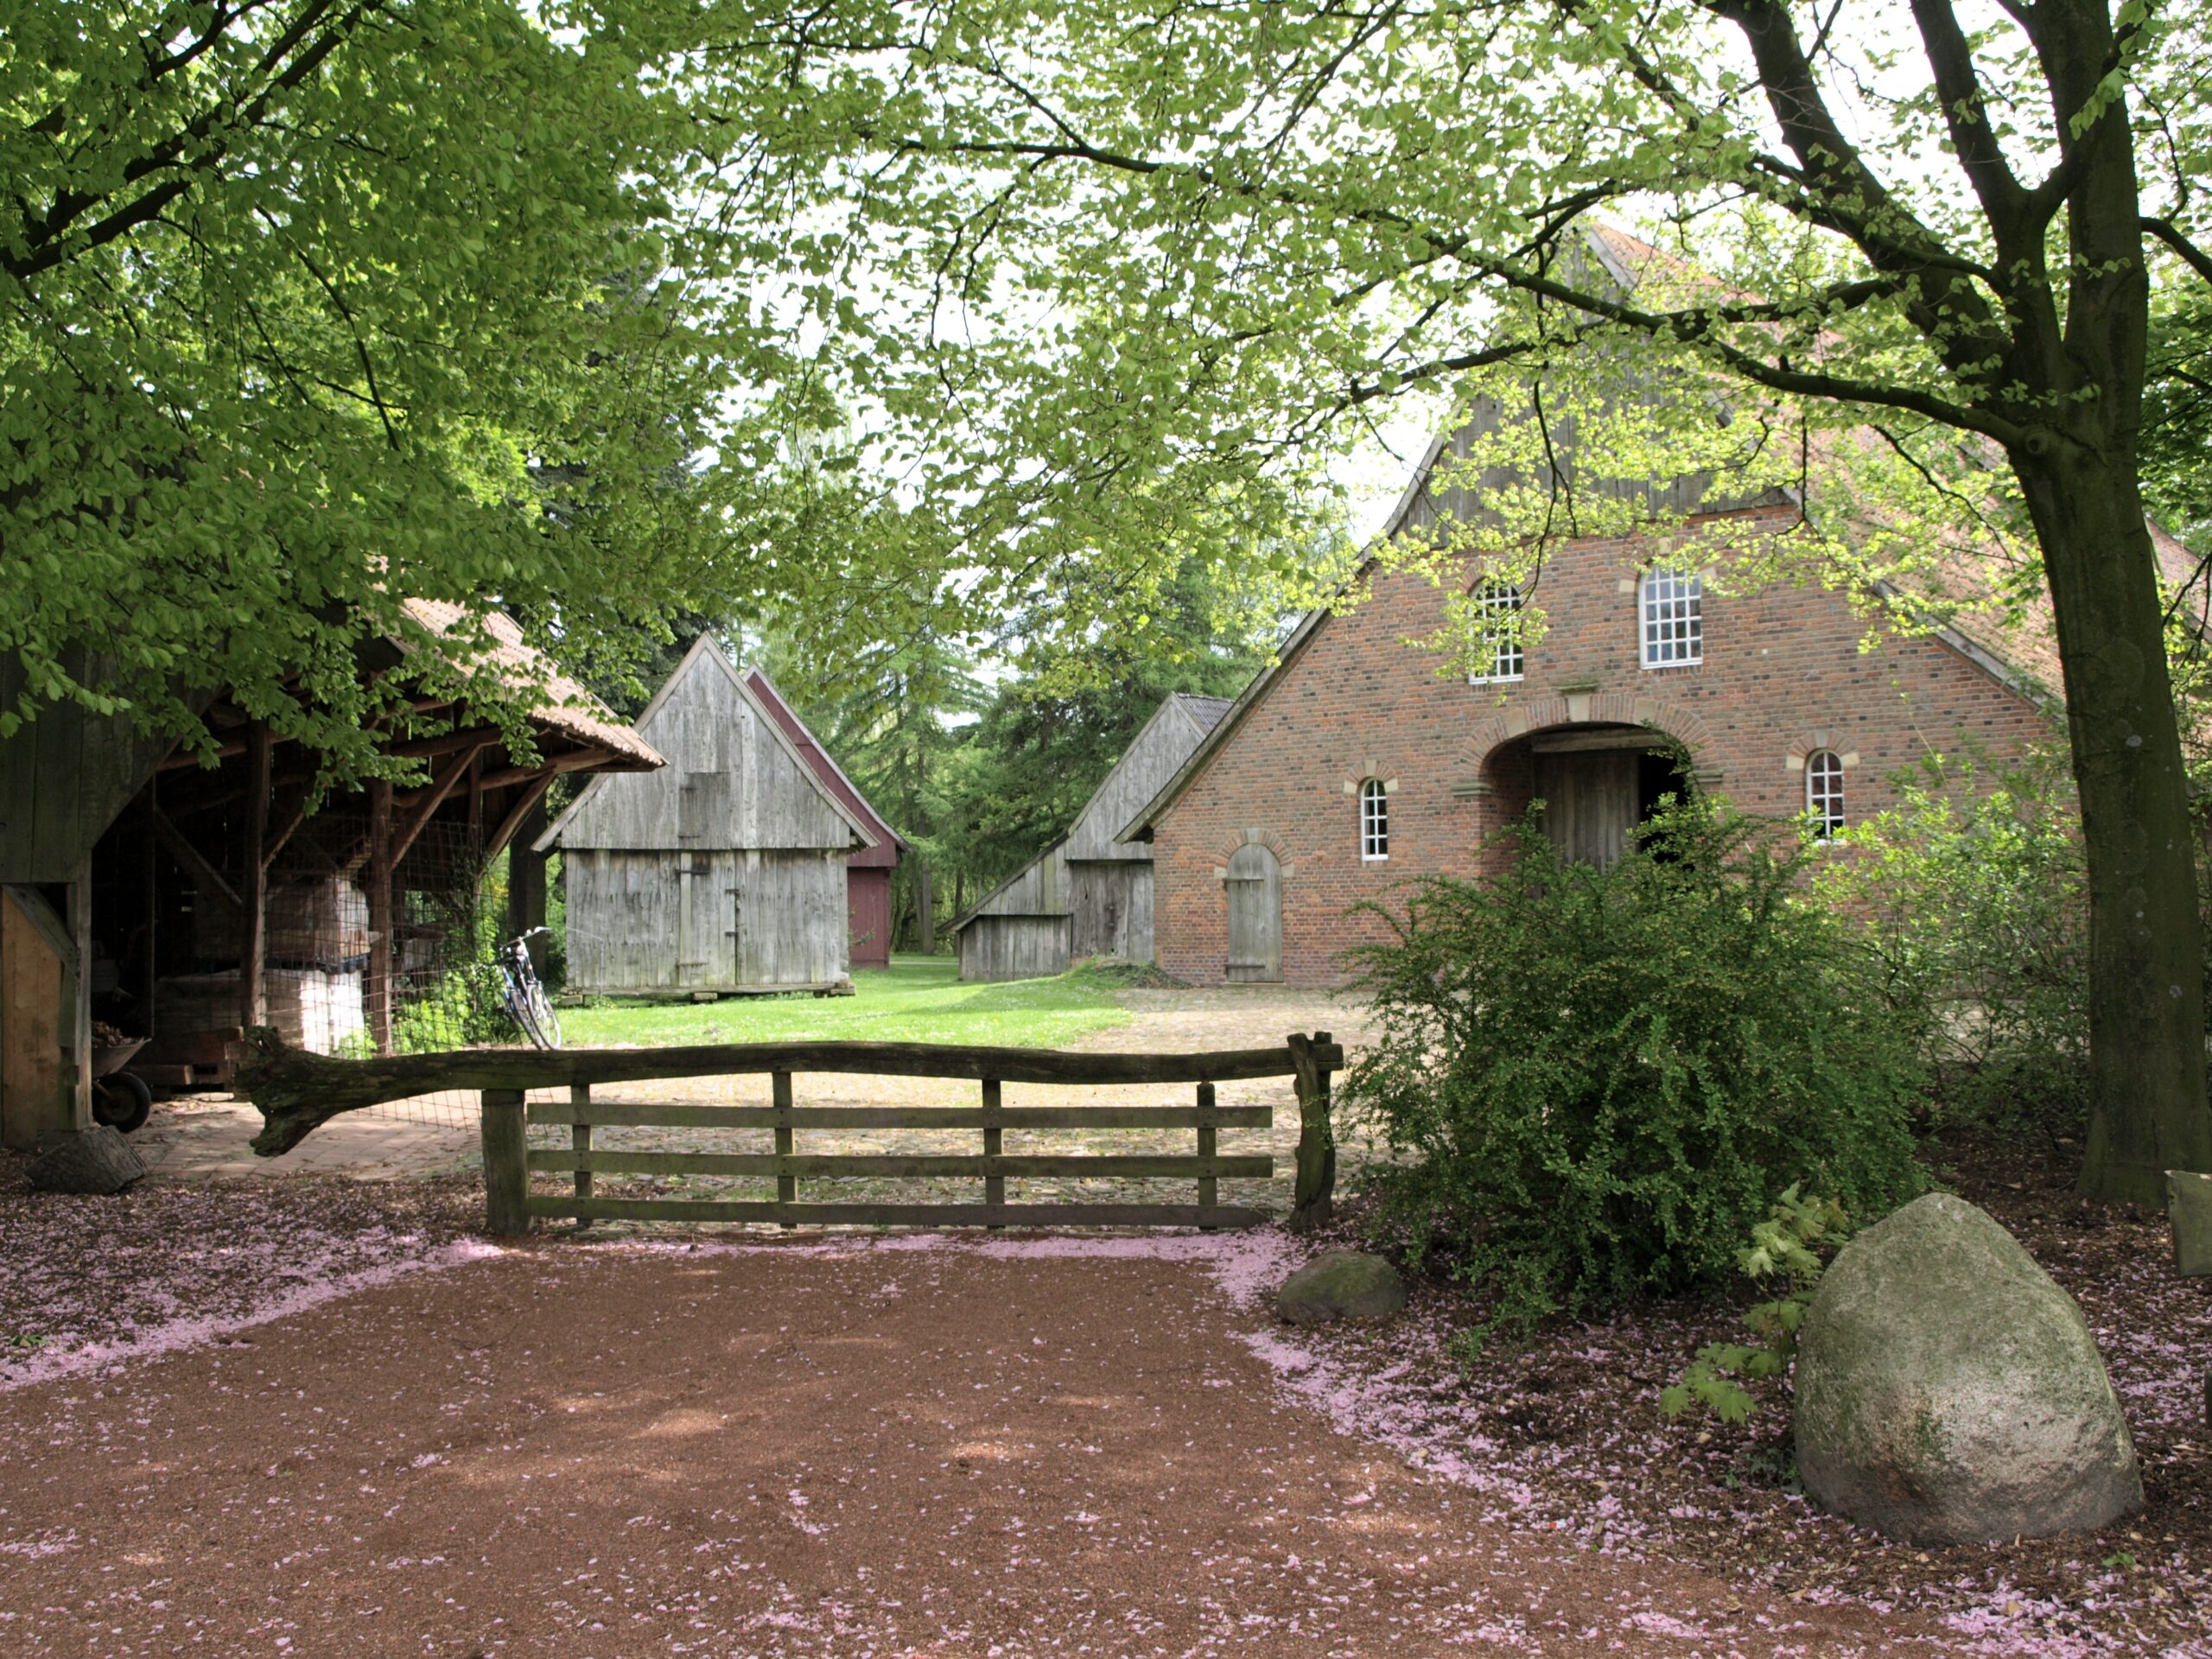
(1209, 1148)
(253, 883)
(377, 992)
(506, 1168)
(786, 1181)
(994, 1149)
(1313, 1200)
(580, 1142)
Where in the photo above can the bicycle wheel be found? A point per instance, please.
(545, 1021)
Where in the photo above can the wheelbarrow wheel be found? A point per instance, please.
(122, 1100)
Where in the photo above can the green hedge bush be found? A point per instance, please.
(1976, 905)
(1595, 1083)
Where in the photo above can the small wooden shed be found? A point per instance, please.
(723, 873)
(1088, 895)
(868, 870)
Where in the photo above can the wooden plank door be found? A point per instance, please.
(1254, 888)
(1590, 804)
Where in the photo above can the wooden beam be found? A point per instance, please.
(575, 760)
(296, 1092)
(149, 874)
(526, 804)
(253, 897)
(203, 876)
(377, 993)
(1627, 737)
(78, 985)
(426, 804)
(287, 827)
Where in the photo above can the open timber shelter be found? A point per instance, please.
(179, 898)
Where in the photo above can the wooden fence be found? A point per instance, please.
(296, 1092)
(509, 1161)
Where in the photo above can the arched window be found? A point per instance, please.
(1498, 604)
(1673, 619)
(1374, 820)
(1824, 792)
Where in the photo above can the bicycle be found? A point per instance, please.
(524, 997)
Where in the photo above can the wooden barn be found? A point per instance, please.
(724, 874)
(868, 870)
(179, 903)
(1088, 894)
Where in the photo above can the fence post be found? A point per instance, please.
(1209, 1187)
(580, 1142)
(786, 1183)
(506, 1168)
(1313, 1199)
(994, 1144)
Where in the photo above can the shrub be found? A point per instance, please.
(1785, 1245)
(1973, 901)
(1595, 1083)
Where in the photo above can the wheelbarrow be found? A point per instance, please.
(121, 1099)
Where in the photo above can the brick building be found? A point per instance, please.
(1353, 764)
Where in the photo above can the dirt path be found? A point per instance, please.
(901, 1447)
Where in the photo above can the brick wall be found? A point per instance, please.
(1783, 672)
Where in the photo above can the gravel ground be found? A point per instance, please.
(264, 1417)
(852, 1448)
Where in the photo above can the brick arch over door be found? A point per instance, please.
(1597, 708)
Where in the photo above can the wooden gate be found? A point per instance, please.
(296, 1091)
(509, 1161)
(1253, 884)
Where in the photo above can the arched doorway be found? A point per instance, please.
(1597, 782)
(1253, 884)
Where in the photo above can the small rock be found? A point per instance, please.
(1948, 1392)
(98, 1160)
(1341, 1284)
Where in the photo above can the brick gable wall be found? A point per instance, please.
(1784, 673)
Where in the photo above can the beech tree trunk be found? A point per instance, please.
(2148, 1108)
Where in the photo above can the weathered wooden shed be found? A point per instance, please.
(1088, 894)
(868, 870)
(723, 873)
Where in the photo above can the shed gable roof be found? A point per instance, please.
(734, 778)
(889, 842)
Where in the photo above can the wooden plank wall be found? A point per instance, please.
(1110, 904)
(35, 1011)
(646, 922)
(1153, 756)
(64, 779)
(1015, 947)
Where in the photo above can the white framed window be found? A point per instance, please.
(1673, 604)
(1824, 792)
(1374, 821)
(1503, 656)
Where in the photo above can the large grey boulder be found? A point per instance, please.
(1948, 1392)
(1341, 1284)
(98, 1160)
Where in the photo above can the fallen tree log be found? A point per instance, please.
(297, 1091)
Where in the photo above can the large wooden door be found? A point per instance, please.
(1254, 886)
(1590, 804)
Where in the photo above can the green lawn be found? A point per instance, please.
(919, 999)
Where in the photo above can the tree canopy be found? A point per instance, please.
(308, 306)
(1180, 243)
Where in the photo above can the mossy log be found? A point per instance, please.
(297, 1091)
